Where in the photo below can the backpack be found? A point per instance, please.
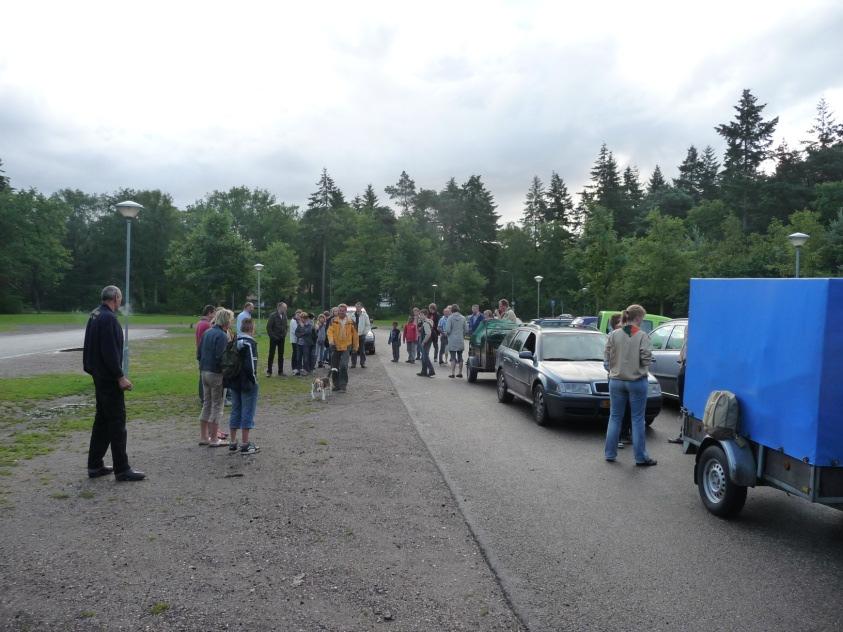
(232, 361)
(721, 415)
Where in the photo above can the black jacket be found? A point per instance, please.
(276, 326)
(102, 356)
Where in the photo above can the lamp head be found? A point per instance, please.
(538, 278)
(797, 240)
(128, 209)
(259, 266)
(433, 285)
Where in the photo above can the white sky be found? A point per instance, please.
(189, 97)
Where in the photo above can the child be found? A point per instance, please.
(244, 390)
(395, 341)
(411, 336)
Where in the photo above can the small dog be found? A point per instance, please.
(322, 386)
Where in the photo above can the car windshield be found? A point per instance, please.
(570, 346)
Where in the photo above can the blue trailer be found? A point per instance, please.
(784, 362)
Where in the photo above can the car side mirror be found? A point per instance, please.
(525, 355)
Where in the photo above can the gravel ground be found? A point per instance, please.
(341, 522)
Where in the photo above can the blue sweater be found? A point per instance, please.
(211, 349)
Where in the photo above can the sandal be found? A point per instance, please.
(218, 444)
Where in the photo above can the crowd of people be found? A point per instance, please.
(227, 354)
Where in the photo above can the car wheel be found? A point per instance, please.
(504, 396)
(472, 374)
(540, 406)
(718, 493)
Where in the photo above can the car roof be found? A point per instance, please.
(555, 329)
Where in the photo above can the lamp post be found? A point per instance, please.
(512, 282)
(128, 210)
(259, 267)
(797, 240)
(538, 279)
(434, 286)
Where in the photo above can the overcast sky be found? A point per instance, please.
(188, 97)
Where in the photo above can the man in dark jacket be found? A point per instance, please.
(276, 328)
(102, 358)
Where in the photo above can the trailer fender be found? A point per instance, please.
(740, 457)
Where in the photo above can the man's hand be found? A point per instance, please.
(124, 384)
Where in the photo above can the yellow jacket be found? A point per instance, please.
(343, 336)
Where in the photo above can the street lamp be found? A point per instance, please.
(259, 267)
(128, 210)
(797, 240)
(434, 286)
(538, 280)
(512, 294)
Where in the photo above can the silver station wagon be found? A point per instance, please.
(559, 371)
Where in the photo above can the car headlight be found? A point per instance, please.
(653, 389)
(575, 388)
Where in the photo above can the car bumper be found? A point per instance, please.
(591, 407)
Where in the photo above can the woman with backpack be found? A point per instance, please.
(244, 389)
(628, 355)
(211, 350)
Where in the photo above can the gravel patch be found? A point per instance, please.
(341, 522)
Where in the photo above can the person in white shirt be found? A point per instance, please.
(363, 326)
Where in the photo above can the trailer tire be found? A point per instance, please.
(718, 493)
(472, 374)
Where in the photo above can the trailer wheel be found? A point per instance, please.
(718, 493)
(472, 374)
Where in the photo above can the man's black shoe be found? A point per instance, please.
(130, 475)
(99, 471)
(422, 374)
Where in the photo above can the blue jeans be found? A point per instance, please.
(243, 406)
(427, 365)
(621, 392)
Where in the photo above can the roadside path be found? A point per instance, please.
(342, 522)
(21, 345)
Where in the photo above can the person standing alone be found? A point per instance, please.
(102, 359)
(628, 354)
(276, 329)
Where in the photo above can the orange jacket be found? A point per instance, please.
(343, 336)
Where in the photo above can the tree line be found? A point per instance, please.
(623, 240)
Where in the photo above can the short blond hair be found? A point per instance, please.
(223, 317)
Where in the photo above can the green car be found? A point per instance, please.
(650, 322)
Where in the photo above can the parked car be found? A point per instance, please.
(553, 322)
(370, 337)
(650, 322)
(667, 341)
(559, 371)
(584, 322)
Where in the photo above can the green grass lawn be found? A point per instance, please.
(165, 376)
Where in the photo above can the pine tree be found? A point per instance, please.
(605, 184)
(535, 208)
(404, 192)
(657, 182)
(559, 203)
(709, 174)
(748, 139)
(318, 221)
(690, 175)
(370, 198)
(4, 179)
(825, 131)
(628, 222)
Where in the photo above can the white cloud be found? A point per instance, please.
(193, 96)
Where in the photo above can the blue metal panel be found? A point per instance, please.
(777, 344)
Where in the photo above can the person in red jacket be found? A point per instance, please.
(202, 326)
(411, 337)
